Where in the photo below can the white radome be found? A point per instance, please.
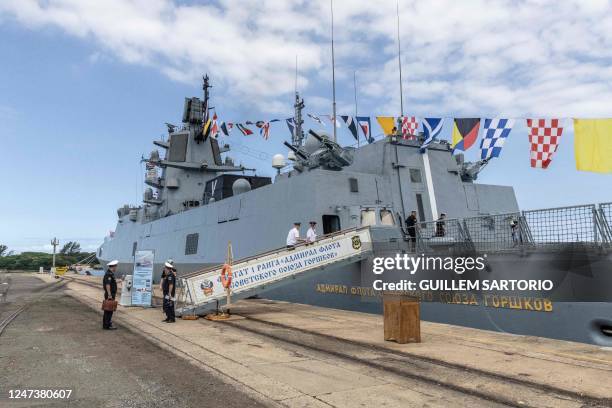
(278, 161)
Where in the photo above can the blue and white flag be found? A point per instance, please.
(431, 129)
(495, 133)
(366, 127)
(291, 125)
(350, 124)
(226, 127)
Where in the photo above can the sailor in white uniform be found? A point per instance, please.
(293, 237)
(311, 234)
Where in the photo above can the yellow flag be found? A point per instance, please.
(593, 145)
(206, 127)
(387, 123)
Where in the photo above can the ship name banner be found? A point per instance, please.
(279, 265)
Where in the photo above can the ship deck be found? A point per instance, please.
(299, 355)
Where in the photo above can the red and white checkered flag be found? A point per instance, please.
(544, 137)
(410, 124)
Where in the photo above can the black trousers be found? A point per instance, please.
(106, 319)
(169, 309)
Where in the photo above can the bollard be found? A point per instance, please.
(402, 320)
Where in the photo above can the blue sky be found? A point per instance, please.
(85, 86)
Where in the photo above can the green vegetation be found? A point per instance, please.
(4, 251)
(33, 260)
(71, 248)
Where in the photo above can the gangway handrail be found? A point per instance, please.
(273, 268)
(262, 254)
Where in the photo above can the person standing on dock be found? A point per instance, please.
(162, 279)
(169, 288)
(293, 237)
(311, 234)
(110, 291)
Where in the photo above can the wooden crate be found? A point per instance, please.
(402, 318)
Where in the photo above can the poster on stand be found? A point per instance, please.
(142, 278)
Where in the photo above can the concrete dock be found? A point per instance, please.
(294, 355)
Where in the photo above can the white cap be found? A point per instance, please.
(169, 264)
(114, 262)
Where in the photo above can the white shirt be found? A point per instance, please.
(311, 235)
(293, 236)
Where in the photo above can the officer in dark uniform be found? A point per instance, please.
(110, 290)
(169, 289)
(411, 226)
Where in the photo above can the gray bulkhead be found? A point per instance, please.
(258, 220)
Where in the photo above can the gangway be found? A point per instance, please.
(271, 269)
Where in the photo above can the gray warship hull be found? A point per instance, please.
(197, 213)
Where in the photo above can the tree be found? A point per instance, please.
(4, 251)
(71, 248)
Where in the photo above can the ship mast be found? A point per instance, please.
(297, 137)
(205, 87)
(399, 62)
(355, 89)
(331, 4)
(298, 133)
(202, 134)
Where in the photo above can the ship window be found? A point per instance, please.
(386, 217)
(99, 252)
(415, 176)
(331, 223)
(191, 244)
(420, 208)
(134, 246)
(354, 185)
(368, 217)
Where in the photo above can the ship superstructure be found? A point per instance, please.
(201, 200)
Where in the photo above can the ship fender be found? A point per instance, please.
(226, 275)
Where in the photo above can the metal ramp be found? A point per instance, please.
(271, 269)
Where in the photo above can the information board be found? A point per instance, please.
(142, 278)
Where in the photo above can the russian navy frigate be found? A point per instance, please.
(198, 200)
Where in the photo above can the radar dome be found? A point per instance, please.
(312, 144)
(278, 161)
(241, 186)
(291, 155)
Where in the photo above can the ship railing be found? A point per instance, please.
(605, 217)
(482, 233)
(551, 228)
(496, 232)
(579, 224)
(441, 234)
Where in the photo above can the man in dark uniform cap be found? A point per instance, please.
(169, 288)
(110, 290)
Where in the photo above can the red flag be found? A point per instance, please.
(243, 129)
(214, 130)
(410, 126)
(544, 137)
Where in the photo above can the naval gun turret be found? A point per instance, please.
(320, 151)
(468, 171)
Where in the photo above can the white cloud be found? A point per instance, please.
(536, 57)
